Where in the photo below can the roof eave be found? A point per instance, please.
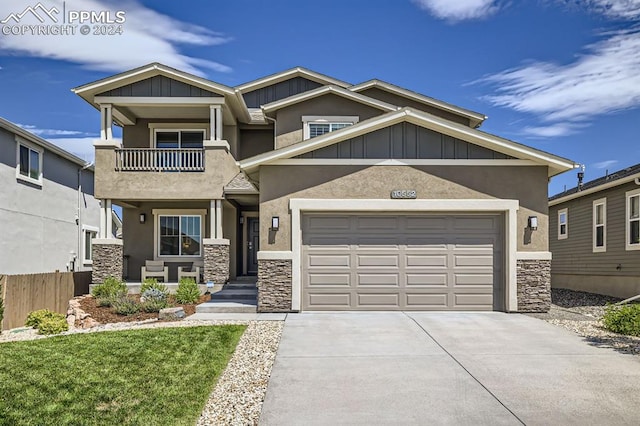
(595, 189)
(287, 74)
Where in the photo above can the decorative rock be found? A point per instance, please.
(274, 285)
(172, 314)
(216, 263)
(89, 323)
(534, 285)
(107, 262)
(71, 320)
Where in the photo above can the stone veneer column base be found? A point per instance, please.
(216, 260)
(274, 285)
(107, 260)
(534, 285)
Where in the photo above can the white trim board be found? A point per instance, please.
(598, 188)
(299, 206)
(288, 74)
(534, 255)
(398, 162)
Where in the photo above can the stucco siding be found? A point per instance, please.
(39, 222)
(289, 119)
(159, 86)
(275, 92)
(406, 141)
(400, 101)
(574, 255)
(278, 184)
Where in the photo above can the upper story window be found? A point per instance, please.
(600, 225)
(315, 125)
(29, 162)
(179, 139)
(563, 224)
(633, 220)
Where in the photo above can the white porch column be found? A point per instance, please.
(109, 220)
(215, 122)
(106, 122)
(218, 219)
(102, 232)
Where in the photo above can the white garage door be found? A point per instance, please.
(402, 262)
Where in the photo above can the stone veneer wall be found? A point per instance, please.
(274, 285)
(107, 262)
(534, 285)
(216, 263)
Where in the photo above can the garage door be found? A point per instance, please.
(402, 262)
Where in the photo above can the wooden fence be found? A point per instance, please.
(23, 294)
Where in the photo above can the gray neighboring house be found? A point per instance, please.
(594, 235)
(48, 213)
(335, 196)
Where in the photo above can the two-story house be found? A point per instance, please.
(594, 235)
(48, 214)
(338, 196)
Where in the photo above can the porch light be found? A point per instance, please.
(533, 223)
(275, 223)
(143, 217)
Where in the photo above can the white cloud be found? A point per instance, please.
(148, 36)
(553, 130)
(81, 147)
(49, 132)
(624, 9)
(603, 80)
(459, 10)
(605, 164)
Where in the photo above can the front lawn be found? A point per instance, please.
(139, 377)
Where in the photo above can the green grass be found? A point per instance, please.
(137, 377)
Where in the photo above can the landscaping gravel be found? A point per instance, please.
(582, 313)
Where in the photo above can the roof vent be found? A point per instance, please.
(580, 177)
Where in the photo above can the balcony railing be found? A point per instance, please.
(159, 160)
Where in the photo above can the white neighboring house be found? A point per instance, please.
(48, 214)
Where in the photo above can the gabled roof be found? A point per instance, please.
(555, 164)
(475, 118)
(37, 140)
(89, 90)
(320, 91)
(609, 181)
(240, 184)
(288, 74)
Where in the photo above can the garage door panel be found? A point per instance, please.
(390, 262)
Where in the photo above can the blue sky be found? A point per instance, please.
(561, 76)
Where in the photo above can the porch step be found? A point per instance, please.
(233, 293)
(239, 286)
(224, 306)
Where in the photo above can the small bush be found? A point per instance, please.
(152, 283)
(53, 325)
(623, 319)
(35, 318)
(125, 306)
(110, 288)
(153, 294)
(105, 302)
(154, 305)
(188, 291)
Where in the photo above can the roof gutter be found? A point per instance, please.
(633, 178)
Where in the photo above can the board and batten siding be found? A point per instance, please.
(405, 141)
(159, 86)
(281, 90)
(574, 255)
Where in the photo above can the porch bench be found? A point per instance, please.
(155, 269)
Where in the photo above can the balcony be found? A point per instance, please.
(159, 160)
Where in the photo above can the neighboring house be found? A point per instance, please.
(594, 235)
(338, 196)
(47, 209)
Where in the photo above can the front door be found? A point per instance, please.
(253, 245)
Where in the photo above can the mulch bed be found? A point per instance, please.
(106, 315)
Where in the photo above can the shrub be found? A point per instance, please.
(153, 293)
(35, 318)
(125, 306)
(53, 325)
(105, 302)
(154, 305)
(623, 319)
(111, 288)
(188, 291)
(152, 283)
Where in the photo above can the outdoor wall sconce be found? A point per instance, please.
(143, 217)
(275, 223)
(533, 223)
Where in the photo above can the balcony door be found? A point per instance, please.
(181, 147)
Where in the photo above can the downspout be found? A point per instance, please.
(79, 217)
(275, 127)
(637, 180)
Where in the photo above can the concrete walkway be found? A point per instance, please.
(445, 368)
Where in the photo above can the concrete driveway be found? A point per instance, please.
(445, 368)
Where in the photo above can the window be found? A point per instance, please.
(179, 139)
(29, 162)
(600, 225)
(633, 220)
(88, 234)
(319, 125)
(563, 224)
(180, 235)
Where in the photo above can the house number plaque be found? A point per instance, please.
(403, 193)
